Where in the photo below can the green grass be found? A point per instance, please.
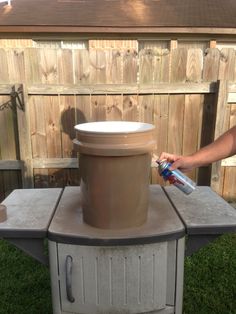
(210, 278)
(210, 281)
(24, 283)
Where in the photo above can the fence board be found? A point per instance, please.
(32, 66)
(37, 126)
(82, 66)
(23, 123)
(160, 120)
(114, 107)
(230, 172)
(114, 89)
(211, 65)
(67, 120)
(4, 77)
(130, 66)
(130, 108)
(161, 68)
(227, 64)
(52, 123)
(221, 125)
(65, 66)
(178, 65)
(194, 65)
(98, 108)
(48, 66)
(83, 109)
(175, 124)
(114, 66)
(16, 65)
(146, 108)
(192, 116)
(8, 140)
(41, 178)
(146, 65)
(11, 180)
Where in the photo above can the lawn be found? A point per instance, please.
(210, 281)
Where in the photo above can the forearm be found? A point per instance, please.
(224, 146)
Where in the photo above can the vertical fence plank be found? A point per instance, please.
(175, 124)
(23, 123)
(114, 104)
(37, 127)
(48, 66)
(52, 123)
(67, 121)
(82, 66)
(114, 66)
(97, 60)
(130, 66)
(16, 65)
(83, 109)
(227, 64)
(194, 65)
(98, 108)
(178, 65)
(221, 125)
(32, 66)
(130, 108)
(146, 108)
(146, 66)
(8, 146)
(192, 111)
(65, 66)
(7, 138)
(211, 65)
(161, 65)
(41, 179)
(230, 172)
(160, 120)
(4, 77)
(207, 134)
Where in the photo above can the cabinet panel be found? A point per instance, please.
(131, 279)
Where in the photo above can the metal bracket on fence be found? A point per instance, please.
(16, 99)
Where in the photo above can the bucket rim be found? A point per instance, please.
(114, 127)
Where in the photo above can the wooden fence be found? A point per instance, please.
(188, 94)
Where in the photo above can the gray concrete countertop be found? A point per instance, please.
(29, 212)
(67, 225)
(203, 211)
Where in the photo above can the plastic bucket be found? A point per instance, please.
(114, 162)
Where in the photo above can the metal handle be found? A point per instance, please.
(69, 262)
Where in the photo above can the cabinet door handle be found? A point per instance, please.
(69, 262)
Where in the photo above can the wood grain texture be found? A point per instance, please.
(175, 124)
(230, 172)
(211, 65)
(178, 65)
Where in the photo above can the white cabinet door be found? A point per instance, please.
(127, 279)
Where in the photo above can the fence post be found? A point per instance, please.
(24, 140)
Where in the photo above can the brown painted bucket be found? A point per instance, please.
(114, 162)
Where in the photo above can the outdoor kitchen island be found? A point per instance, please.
(134, 270)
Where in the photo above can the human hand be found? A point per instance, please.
(183, 163)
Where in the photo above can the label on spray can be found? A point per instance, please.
(176, 177)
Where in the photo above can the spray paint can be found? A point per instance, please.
(175, 177)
